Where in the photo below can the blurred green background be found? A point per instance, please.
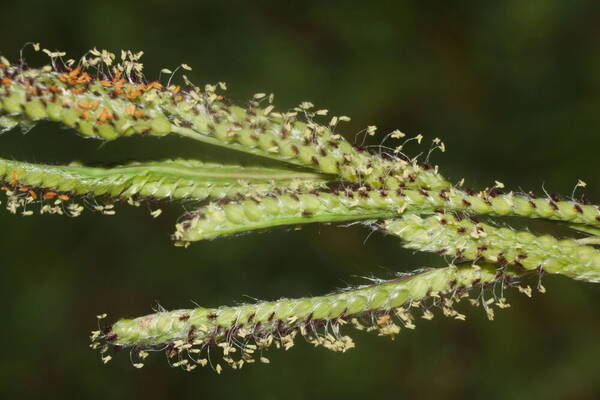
(512, 87)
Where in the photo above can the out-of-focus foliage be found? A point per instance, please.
(513, 89)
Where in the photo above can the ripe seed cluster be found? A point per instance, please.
(239, 335)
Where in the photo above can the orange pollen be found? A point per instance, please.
(153, 85)
(53, 89)
(92, 105)
(134, 94)
(105, 115)
(71, 78)
(130, 110)
(14, 177)
(383, 320)
(118, 84)
(74, 72)
(84, 78)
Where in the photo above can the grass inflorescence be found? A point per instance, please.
(319, 177)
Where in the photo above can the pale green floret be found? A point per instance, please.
(543, 208)
(501, 206)
(400, 296)
(35, 110)
(522, 207)
(12, 104)
(54, 111)
(252, 210)
(107, 132)
(70, 117)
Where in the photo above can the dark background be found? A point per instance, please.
(512, 87)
